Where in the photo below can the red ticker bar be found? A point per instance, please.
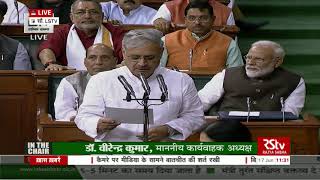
(47, 160)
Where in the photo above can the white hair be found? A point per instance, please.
(277, 48)
(141, 37)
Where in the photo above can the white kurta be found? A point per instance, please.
(11, 16)
(183, 111)
(141, 15)
(65, 102)
(213, 91)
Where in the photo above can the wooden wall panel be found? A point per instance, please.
(17, 111)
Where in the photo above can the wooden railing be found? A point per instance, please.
(17, 30)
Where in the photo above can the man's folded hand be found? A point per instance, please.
(106, 124)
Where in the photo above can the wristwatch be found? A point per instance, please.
(172, 131)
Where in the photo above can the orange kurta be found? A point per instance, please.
(177, 7)
(208, 54)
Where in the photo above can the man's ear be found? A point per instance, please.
(123, 52)
(71, 17)
(279, 61)
(85, 62)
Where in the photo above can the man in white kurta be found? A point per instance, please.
(69, 94)
(182, 114)
(139, 14)
(261, 79)
(11, 16)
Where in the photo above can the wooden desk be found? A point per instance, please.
(17, 110)
(53, 131)
(303, 133)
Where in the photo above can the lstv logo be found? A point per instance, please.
(273, 145)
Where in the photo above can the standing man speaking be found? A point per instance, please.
(177, 118)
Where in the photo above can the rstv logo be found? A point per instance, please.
(273, 145)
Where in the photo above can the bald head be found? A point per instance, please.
(99, 57)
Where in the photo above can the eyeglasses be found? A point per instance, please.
(199, 18)
(91, 12)
(256, 59)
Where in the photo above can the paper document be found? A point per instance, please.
(243, 113)
(129, 116)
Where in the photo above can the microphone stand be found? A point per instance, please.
(128, 97)
(17, 9)
(145, 100)
(282, 108)
(146, 117)
(146, 120)
(248, 104)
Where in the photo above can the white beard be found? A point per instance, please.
(260, 72)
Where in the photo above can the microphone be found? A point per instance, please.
(248, 105)
(282, 108)
(163, 87)
(128, 87)
(145, 84)
(17, 8)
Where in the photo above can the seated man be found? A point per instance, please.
(172, 12)
(128, 12)
(177, 118)
(66, 47)
(261, 82)
(226, 131)
(70, 92)
(198, 46)
(15, 13)
(13, 55)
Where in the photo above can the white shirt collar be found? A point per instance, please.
(134, 78)
(131, 12)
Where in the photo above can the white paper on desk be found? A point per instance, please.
(243, 113)
(129, 116)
